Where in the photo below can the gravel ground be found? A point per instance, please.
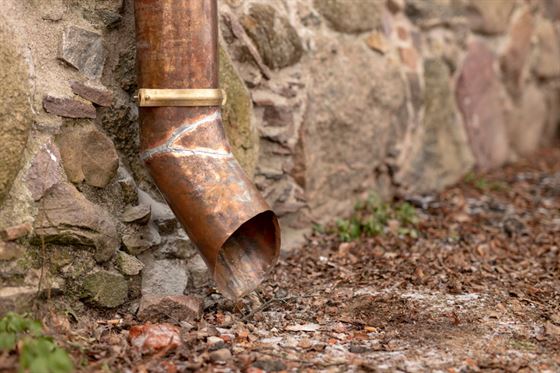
(474, 285)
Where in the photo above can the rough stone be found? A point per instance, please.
(67, 217)
(441, 154)
(88, 154)
(141, 239)
(16, 299)
(162, 215)
(105, 289)
(97, 94)
(128, 186)
(276, 39)
(175, 308)
(236, 115)
(163, 276)
(69, 108)
(351, 16)
(527, 121)
(378, 42)
(128, 264)
(150, 338)
(17, 231)
(10, 251)
(137, 214)
(347, 126)
(15, 111)
(396, 6)
(489, 17)
(547, 61)
(479, 97)
(514, 58)
(83, 50)
(425, 12)
(44, 172)
(198, 272)
(220, 356)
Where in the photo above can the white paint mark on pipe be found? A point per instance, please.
(168, 147)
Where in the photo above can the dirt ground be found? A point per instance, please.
(477, 289)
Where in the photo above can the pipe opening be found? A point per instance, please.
(248, 255)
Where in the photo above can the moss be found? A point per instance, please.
(237, 114)
(105, 289)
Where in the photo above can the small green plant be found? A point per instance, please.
(482, 184)
(37, 353)
(372, 216)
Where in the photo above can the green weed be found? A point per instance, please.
(372, 216)
(484, 185)
(37, 353)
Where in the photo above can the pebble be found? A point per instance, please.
(220, 356)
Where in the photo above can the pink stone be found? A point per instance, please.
(479, 97)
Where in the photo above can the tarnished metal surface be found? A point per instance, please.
(186, 150)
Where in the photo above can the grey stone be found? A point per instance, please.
(351, 16)
(276, 39)
(141, 239)
(156, 308)
(440, 153)
(105, 289)
(162, 215)
(45, 171)
(128, 264)
(83, 50)
(198, 272)
(97, 94)
(163, 276)
(69, 108)
(137, 214)
(66, 217)
(15, 120)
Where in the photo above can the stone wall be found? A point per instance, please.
(329, 100)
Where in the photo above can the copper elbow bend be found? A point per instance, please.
(187, 153)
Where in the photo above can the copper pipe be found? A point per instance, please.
(186, 150)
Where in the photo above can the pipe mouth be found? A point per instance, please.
(247, 256)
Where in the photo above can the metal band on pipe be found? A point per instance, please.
(181, 97)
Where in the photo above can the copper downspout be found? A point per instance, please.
(186, 150)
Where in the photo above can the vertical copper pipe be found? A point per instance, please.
(186, 150)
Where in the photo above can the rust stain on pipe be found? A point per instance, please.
(186, 150)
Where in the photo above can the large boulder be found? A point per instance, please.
(352, 102)
(440, 152)
(15, 109)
